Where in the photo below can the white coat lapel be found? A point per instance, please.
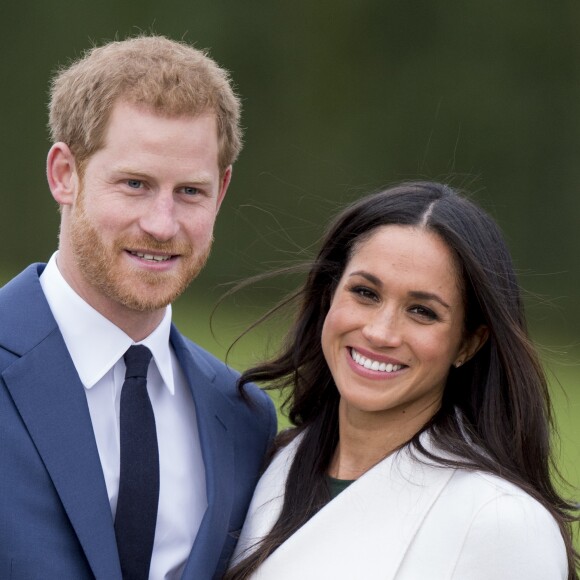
(363, 533)
(267, 501)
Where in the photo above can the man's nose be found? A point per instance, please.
(159, 219)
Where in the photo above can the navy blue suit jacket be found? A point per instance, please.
(55, 518)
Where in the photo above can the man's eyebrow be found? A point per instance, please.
(417, 294)
(128, 170)
(200, 179)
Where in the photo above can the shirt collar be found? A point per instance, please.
(94, 343)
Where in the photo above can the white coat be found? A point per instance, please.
(409, 520)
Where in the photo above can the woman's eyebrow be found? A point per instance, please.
(417, 294)
(370, 277)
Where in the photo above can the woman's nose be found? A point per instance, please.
(383, 329)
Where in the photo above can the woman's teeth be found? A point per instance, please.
(373, 365)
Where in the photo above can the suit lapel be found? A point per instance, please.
(50, 398)
(213, 417)
(368, 527)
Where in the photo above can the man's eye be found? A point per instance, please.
(190, 190)
(134, 183)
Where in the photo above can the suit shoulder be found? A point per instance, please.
(22, 281)
(225, 378)
(215, 364)
(25, 317)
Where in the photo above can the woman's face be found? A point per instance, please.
(396, 325)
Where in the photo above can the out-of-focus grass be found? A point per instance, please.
(565, 389)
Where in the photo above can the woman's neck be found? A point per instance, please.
(365, 439)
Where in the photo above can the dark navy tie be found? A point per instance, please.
(139, 475)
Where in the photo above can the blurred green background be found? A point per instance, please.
(340, 98)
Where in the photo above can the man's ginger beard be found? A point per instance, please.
(105, 269)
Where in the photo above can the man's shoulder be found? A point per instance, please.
(224, 377)
(210, 364)
(26, 279)
(25, 317)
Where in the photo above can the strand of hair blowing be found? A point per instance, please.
(314, 412)
(495, 415)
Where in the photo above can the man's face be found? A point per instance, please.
(140, 226)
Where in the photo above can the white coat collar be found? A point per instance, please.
(386, 506)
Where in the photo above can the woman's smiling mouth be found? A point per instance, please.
(374, 365)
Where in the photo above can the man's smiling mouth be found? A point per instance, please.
(151, 257)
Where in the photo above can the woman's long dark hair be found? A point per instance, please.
(504, 422)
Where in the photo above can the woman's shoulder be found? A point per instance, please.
(494, 511)
(488, 486)
(485, 493)
(509, 523)
(483, 526)
(475, 486)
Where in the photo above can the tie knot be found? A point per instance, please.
(137, 359)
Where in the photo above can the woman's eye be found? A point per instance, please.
(424, 312)
(364, 292)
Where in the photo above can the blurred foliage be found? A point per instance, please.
(340, 98)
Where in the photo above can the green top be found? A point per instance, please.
(337, 485)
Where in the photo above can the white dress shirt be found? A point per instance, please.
(97, 347)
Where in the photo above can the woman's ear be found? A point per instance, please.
(471, 345)
(62, 174)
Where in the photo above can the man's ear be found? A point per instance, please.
(224, 184)
(471, 345)
(62, 174)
